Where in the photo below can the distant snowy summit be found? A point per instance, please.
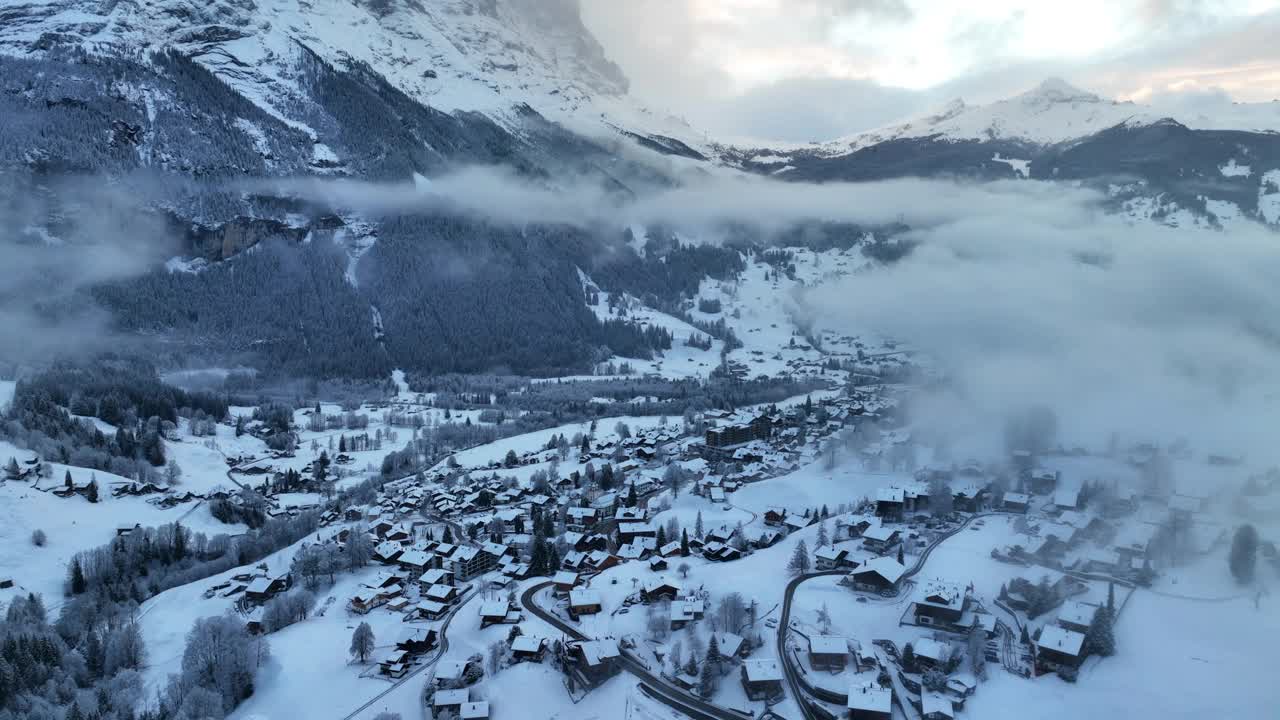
(1055, 112)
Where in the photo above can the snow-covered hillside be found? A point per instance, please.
(1053, 112)
(487, 56)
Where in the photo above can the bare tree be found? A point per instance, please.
(361, 642)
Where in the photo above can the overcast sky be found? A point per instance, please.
(817, 69)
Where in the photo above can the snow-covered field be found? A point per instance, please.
(72, 524)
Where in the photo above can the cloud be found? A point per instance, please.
(723, 64)
(1172, 334)
(59, 239)
(703, 203)
(1021, 292)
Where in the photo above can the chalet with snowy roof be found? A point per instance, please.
(1043, 482)
(394, 664)
(450, 673)
(627, 514)
(416, 641)
(828, 652)
(936, 706)
(762, 679)
(720, 552)
(930, 653)
(731, 645)
(719, 534)
(635, 550)
(600, 560)
(595, 661)
(685, 611)
(262, 589)
(528, 648)
(830, 557)
(498, 612)
(890, 503)
(575, 560)
(795, 523)
(659, 589)
(580, 518)
(387, 552)
(584, 601)
(767, 538)
(1066, 499)
(628, 531)
(446, 594)
(969, 496)
(1059, 649)
(415, 561)
(940, 603)
(869, 701)
(1015, 502)
(366, 599)
(879, 575)
(449, 701)
(1076, 615)
(880, 538)
(435, 576)
(671, 549)
(427, 609)
(564, 581)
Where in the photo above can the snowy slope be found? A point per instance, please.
(1053, 112)
(487, 56)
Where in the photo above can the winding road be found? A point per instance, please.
(441, 649)
(687, 703)
(789, 671)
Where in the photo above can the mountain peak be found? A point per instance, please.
(1055, 89)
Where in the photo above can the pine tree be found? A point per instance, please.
(94, 656)
(662, 536)
(631, 496)
(66, 481)
(799, 563)
(684, 542)
(713, 652)
(77, 577)
(11, 470)
(707, 679)
(822, 534)
(1101, 639)
(697, 526)
(1244, 554)
(93, 491)
(901, 556)
(977, 652)
(908, 658)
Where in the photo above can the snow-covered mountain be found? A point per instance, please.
(485, 55)
(1055, 112)
(493, 57)
(1212, 168)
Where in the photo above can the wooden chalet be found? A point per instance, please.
(870, 701)
(827, 652)
(762, 679)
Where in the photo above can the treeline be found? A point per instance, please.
(459, 295)
(48, 675)
(286, 308)
(669, 270)
(125, 392)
